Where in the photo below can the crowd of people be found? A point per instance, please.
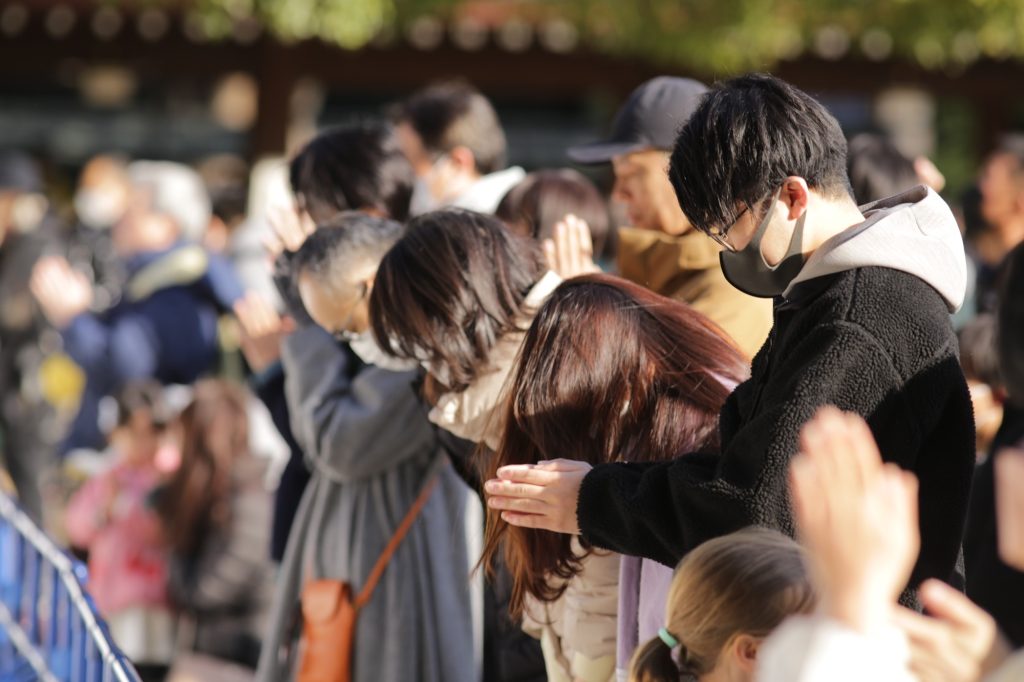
(451, 422)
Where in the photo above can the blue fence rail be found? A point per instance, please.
(49, 627)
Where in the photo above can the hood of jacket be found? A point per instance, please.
(914, 232)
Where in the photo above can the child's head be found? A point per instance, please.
(213, 431)
(136, 421)
(727, 596)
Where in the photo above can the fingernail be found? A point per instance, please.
(491, 486)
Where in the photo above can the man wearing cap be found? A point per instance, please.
(661, 250)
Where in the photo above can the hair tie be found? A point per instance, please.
(666, 637)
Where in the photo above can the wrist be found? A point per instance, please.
(857, 610)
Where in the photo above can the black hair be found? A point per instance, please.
(450, 288)
(543, 198)
(979, 350)
(745, 138)
(353, 167)
(227, 181)
(344, 243)
(455, 114)
(1011, 144)
(877, 169)
(1011, 325)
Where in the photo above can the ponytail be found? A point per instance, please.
(653, 662)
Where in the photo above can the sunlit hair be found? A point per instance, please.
(745, 583)
(214, 435)
(608, 371)
(450, 289)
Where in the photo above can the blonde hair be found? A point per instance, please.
(747, 582)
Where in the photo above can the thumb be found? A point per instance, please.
(948, 604)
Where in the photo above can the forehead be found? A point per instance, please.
(645, 159)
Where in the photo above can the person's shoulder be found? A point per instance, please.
(885, 294)
(906, 315)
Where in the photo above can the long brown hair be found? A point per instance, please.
(449, 289)
(744, 583)
(197, 499)
(608, 371)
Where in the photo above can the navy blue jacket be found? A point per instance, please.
(164, 328)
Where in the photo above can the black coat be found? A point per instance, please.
(991, 583)
(874, 341)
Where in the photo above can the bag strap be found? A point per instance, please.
(403, 529)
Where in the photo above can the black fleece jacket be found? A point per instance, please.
(874, 341)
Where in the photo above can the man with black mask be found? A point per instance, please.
(862, 303)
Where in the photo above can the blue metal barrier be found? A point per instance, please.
(49, 627)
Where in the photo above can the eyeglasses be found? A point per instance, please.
(720, 235)
(344, 335)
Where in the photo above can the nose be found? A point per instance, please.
(620, 193)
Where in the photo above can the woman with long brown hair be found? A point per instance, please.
(216, 516)
(608, 371)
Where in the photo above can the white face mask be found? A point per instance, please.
(97, 209)
(365, 346)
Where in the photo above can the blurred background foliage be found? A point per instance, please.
(709, 36)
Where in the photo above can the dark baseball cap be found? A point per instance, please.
(650, 119)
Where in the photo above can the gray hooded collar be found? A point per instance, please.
(914, 232)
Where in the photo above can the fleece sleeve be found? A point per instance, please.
(660, 511)
(350, 425)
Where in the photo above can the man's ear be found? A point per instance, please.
(743, 651)
(795, 194)
(464, 159)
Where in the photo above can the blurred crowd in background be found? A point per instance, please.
(184, 392)
(144, 416)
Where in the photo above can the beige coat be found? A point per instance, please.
(474, 414)
(686, 268)
(578, 631)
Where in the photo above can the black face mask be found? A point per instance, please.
(747, 270)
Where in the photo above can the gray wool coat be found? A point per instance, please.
(371, 448)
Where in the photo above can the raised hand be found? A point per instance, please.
(571, 252)
(263, 330)
(856, 516)
(62, 292)
(956, 642)
(289, 230)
